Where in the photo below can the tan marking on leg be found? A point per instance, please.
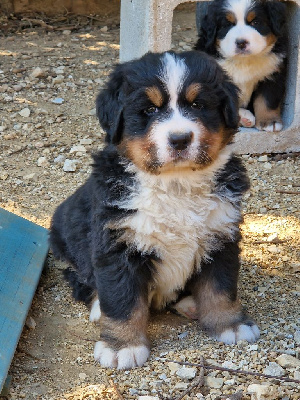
(132, 332)
(266, 118)
(216, 312)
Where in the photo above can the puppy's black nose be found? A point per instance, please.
(180, 141)
(241, 43)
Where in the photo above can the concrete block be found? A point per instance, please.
(146, 25)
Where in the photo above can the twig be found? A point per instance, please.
(116, 389)
(274, 241)
(287, 191)
(235, 371)
(198, 382)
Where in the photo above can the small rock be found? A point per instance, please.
(66, 32)
(82, 376)
(268, 165)
(259, 392)
(181, 386)
(29, 177)
(173, 367)
(30, 323)
(297, 337)
(263, 158)
(183, 335)
(78, 148)
(42, 162)
(25, 112)
(58, 79)
(148, 398)
(273, 249)
(273, 238)
(58, 100)
(86, 141)
(92, 112)
(215, 383)
(287, 361)
(104, 29)
(274, 369)
(70, 165)
(59, 159)
(186, 373)
(133, 391)
(38, 73)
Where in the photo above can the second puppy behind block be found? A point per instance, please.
(248, 39)
(160, 213)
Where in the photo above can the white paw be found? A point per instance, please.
(126, 358)
(247, 119)
(95, 313)
(186, 307)
(275, 127)
(243, 332)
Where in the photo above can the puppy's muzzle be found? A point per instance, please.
(180, 141)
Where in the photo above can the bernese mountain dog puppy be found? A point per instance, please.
(160, 213)
(248, 39)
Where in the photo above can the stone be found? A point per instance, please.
(25, 112)
(181, 386)
(58, 79)
(214, 383)
(30, 323)
(173, 367)
(274, 369)
(263, 158)
(288, 361)
(38, 73)
(79, 148)
(297, 337)
(58, 100)
(82, 376)
(70, 165)
(148, 398)
(259, 392)
(42, 162)
(186, 373)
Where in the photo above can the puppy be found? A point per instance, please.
(247, 37)
(160, 213)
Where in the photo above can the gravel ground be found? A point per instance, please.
(48, 84)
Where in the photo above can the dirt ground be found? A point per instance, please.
(49, 78)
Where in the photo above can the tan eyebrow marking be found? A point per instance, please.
(192, 91)
(231, 17)
(251, 16)
(154, 95)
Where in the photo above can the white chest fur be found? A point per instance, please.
(247, 71)
(178, 219)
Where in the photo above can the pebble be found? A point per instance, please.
(58, 100)
(42, 162)
(181, 386)
(215, 383)
(288, 361)
(78, 148)
(38, 73)
(70, 165)
(58, 79)
(25, 112)
(186, 373)
(274, 369)
(263, 158)
(173, 367)
(258, 392)
(30, 323)
(82, 376)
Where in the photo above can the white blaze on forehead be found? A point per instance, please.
(239, 8)
(173, 73)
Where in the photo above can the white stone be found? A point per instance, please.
(82, 376)
(274, 369)
(173, 367)
(181, 386)
(58, 79)
(78, 148)
(42, 162)
(38, 73)
(70, 165)
(214, 383)
(25, 112)
(263, 158)
(186, 373)
(288, 361)
(259, 392)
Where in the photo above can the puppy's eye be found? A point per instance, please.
(151, 110)
(254, 22)
(196, 105)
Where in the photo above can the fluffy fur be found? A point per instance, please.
(160, 213)
(248, 39)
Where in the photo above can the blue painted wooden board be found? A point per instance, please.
(23, 250)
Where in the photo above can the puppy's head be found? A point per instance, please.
(169, 111)
(243, 27)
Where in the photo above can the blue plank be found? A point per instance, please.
(23, 250)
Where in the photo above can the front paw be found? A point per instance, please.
(250, 333)
(247, 119)
(125, 358)
(269, 125)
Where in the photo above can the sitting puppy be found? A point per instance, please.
(248, 40)
(160, 212)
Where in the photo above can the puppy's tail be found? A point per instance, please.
(81, 291)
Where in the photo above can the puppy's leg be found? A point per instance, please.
(215, 294)
(123, 343)
(247, 119)
(267, 101)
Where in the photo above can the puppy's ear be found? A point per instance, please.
(208, 33)
(230, 104)
(277, 16)
(109, 106)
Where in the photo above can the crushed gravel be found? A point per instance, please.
(48, 129)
